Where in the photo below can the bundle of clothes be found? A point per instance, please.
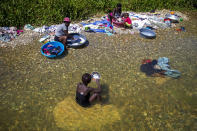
(159, 68)
(52, 50)
(9, 33)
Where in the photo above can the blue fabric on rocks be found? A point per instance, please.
(163, 63)
(102, 22)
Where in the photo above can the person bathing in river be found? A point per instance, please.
(86, 95)
(61, 33)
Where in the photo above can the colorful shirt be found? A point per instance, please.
(128, 20)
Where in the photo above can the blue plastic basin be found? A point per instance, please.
(56, 44)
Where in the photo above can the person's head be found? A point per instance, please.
(67, 21)
(86, 78)
(126, 15)
(119, 6)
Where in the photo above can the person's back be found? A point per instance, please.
(82, 98)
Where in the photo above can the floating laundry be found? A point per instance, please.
(163, 63)
(161, 66)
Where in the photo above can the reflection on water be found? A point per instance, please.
(33, 88)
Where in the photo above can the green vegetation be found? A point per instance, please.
(39, 12)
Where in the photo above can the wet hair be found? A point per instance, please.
(86, 78)
(119, 5)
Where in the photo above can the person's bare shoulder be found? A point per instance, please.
(79, 85)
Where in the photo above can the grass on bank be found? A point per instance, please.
(40, 12)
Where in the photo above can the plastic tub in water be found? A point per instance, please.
(76, 40)
(56, 44)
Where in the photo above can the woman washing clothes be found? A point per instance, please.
(115, 14)
(86, 95)
(61, 33)
(117, 11)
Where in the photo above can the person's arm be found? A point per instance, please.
(114, 12)
(66, 32)
(124, 20)
(95, 90)
(98, 89)
(90, 89)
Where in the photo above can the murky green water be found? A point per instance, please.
(31, 85)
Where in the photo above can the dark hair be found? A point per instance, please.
(126, 14)
(86, 78)
(119, 5)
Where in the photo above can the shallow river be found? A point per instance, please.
(38, 93)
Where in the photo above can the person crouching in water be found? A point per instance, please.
(61, 33)
(127, 21)
(86, 95)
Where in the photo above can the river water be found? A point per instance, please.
(38, 93)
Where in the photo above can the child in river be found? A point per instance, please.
(84, 94)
